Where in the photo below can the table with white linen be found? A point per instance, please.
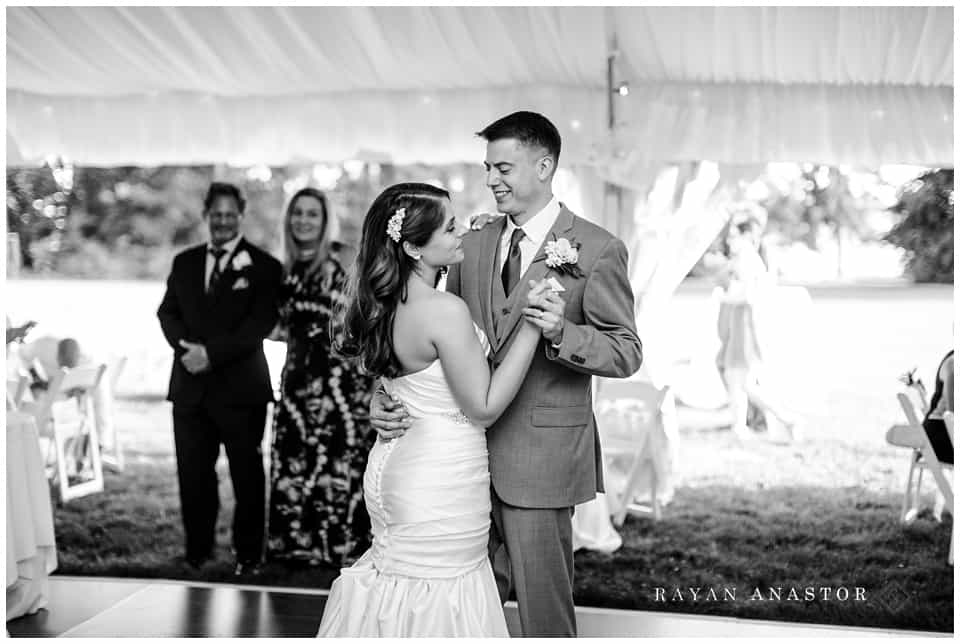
(31, 547)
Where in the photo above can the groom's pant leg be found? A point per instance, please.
(197, 443)
(242, 432)
(497, 549)
(540, 548)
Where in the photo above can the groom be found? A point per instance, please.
(544, 450)
(220, 304)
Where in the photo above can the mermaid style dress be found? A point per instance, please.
(427, 573)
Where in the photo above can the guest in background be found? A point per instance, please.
(321, 434)
(219, 306)
(744, 278)
(941, 402)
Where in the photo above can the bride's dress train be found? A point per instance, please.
(428, 494)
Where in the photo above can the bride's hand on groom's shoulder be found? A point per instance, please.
(480, 220)
(388, 416)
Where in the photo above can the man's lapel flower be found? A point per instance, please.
(562, 255)
(241, 260)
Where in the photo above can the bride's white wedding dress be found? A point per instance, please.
(428, 494)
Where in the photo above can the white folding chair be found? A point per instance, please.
(944, 483)
(65, 419)
(629, 414)
(912, 437)
(111, 448)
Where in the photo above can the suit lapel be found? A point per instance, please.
(488, 259)
(195, 275)
(536, 271)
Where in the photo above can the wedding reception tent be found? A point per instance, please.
(658, 108)
(271, 85)
(631, 89)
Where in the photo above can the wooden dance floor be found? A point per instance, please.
(110, 607)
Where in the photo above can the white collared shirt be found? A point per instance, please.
(534, 233)
(230, 246)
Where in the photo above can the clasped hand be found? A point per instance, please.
(195, 360)
(545, 309)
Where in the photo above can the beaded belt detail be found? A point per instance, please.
(458, 417)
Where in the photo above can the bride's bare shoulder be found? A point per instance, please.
(445, 309)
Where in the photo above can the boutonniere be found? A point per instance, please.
(241, 260)
(562, 255)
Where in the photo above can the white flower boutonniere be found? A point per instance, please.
(241, 260)
(563, 255)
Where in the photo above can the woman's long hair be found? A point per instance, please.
(326, 242)
(378, 280)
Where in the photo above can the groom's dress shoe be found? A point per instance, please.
(247, 568)
(196, 562)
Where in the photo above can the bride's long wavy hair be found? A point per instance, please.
(378, 280)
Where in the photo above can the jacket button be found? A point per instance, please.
(504, 311)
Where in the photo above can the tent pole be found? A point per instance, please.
(613, 197)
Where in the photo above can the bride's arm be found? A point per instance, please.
(482, 396)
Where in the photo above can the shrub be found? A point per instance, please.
(926, 231)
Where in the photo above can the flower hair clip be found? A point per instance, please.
(395, 223)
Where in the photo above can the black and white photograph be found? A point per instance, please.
(479, 321)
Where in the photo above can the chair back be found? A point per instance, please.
(65, 416)
(929, 454)
(627, 408)
(114, 370)
(81, 379)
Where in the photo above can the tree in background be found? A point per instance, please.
(926, 231)
(129, 222)
(38, 203)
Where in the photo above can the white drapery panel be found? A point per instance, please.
(188, 128)
(741, 124)
(151, 85)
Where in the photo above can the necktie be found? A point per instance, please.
(510, 274)
(215, 275)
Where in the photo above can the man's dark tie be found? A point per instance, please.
(510, 274)
(215, 275)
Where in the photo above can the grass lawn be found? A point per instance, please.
(819, 513)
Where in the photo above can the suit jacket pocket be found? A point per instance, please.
(576, 416)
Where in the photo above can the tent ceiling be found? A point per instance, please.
(147, 85)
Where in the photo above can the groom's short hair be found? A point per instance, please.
(529, 128)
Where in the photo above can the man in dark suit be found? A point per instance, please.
(220, 304)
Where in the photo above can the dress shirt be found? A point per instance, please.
(534, 233)
(230, 246)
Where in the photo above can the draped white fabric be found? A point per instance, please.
(149, 85)
(31, 545)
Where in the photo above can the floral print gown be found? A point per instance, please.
(321, 432)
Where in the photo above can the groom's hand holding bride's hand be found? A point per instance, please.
(388, 416)
(545, 310)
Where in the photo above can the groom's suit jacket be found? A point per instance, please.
(231, 322)
(544, 449)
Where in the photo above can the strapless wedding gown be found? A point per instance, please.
(428, 494)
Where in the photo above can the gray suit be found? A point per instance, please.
(544, 450)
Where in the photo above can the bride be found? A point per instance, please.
(427, 492)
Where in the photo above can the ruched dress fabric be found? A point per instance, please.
(427, 573)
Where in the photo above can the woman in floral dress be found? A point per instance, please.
(321, 435)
